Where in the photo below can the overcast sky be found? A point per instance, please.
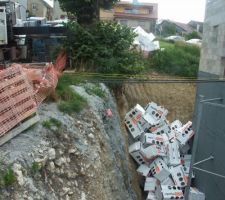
(180, 10)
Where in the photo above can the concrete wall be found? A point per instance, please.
(41, 9)
(213, 47)
(212, 117)
(36, 8)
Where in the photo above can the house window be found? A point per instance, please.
(34, 6)
(124, 22)
(131, 11)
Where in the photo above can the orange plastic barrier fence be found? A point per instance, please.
(23, 89)
(16, 98)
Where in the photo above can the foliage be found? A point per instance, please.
(168, 29)
(36, 167)
(51, 122)
(9, 177)
(46, 124)
(86, 11)
(69, 100)
(95, 90)
(192, 35)
(182, 60)
(72, 102)
(166, 44)
(104, 47)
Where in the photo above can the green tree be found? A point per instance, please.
(86, 11)
(104, 47)
(168, 29)
(192, 35)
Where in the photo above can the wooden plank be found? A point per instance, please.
(17, 130)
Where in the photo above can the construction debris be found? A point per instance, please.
(145, 41)
(161, 150)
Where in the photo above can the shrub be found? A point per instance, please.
(182, 60)
(192, 35)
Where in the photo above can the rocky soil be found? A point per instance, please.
(84, 159)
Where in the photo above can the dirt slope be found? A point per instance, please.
(178, 98)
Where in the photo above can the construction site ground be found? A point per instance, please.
(87, 158)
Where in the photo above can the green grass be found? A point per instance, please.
(9, 177)
(165, 44)
(95, 90)
(69, 100)
(177, 59)
(46, 124)
(36, 167)
(51, 122)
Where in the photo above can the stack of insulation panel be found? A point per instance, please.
(161, 151)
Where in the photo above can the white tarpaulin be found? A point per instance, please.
(145, 40)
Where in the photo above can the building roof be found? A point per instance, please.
(186, 27)
(195, 22)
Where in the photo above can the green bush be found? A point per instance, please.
(104, 47)
(182, 60)
(192, 35)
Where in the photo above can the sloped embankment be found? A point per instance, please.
(76, 157)
(178, 98)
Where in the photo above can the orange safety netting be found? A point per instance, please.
(22, 89)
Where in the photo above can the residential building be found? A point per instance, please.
(137, 14)
(46, 8)
(21, 9)
(107, 15)
(209, 114)
(197, 26)
(58, 13)
(167, 27)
